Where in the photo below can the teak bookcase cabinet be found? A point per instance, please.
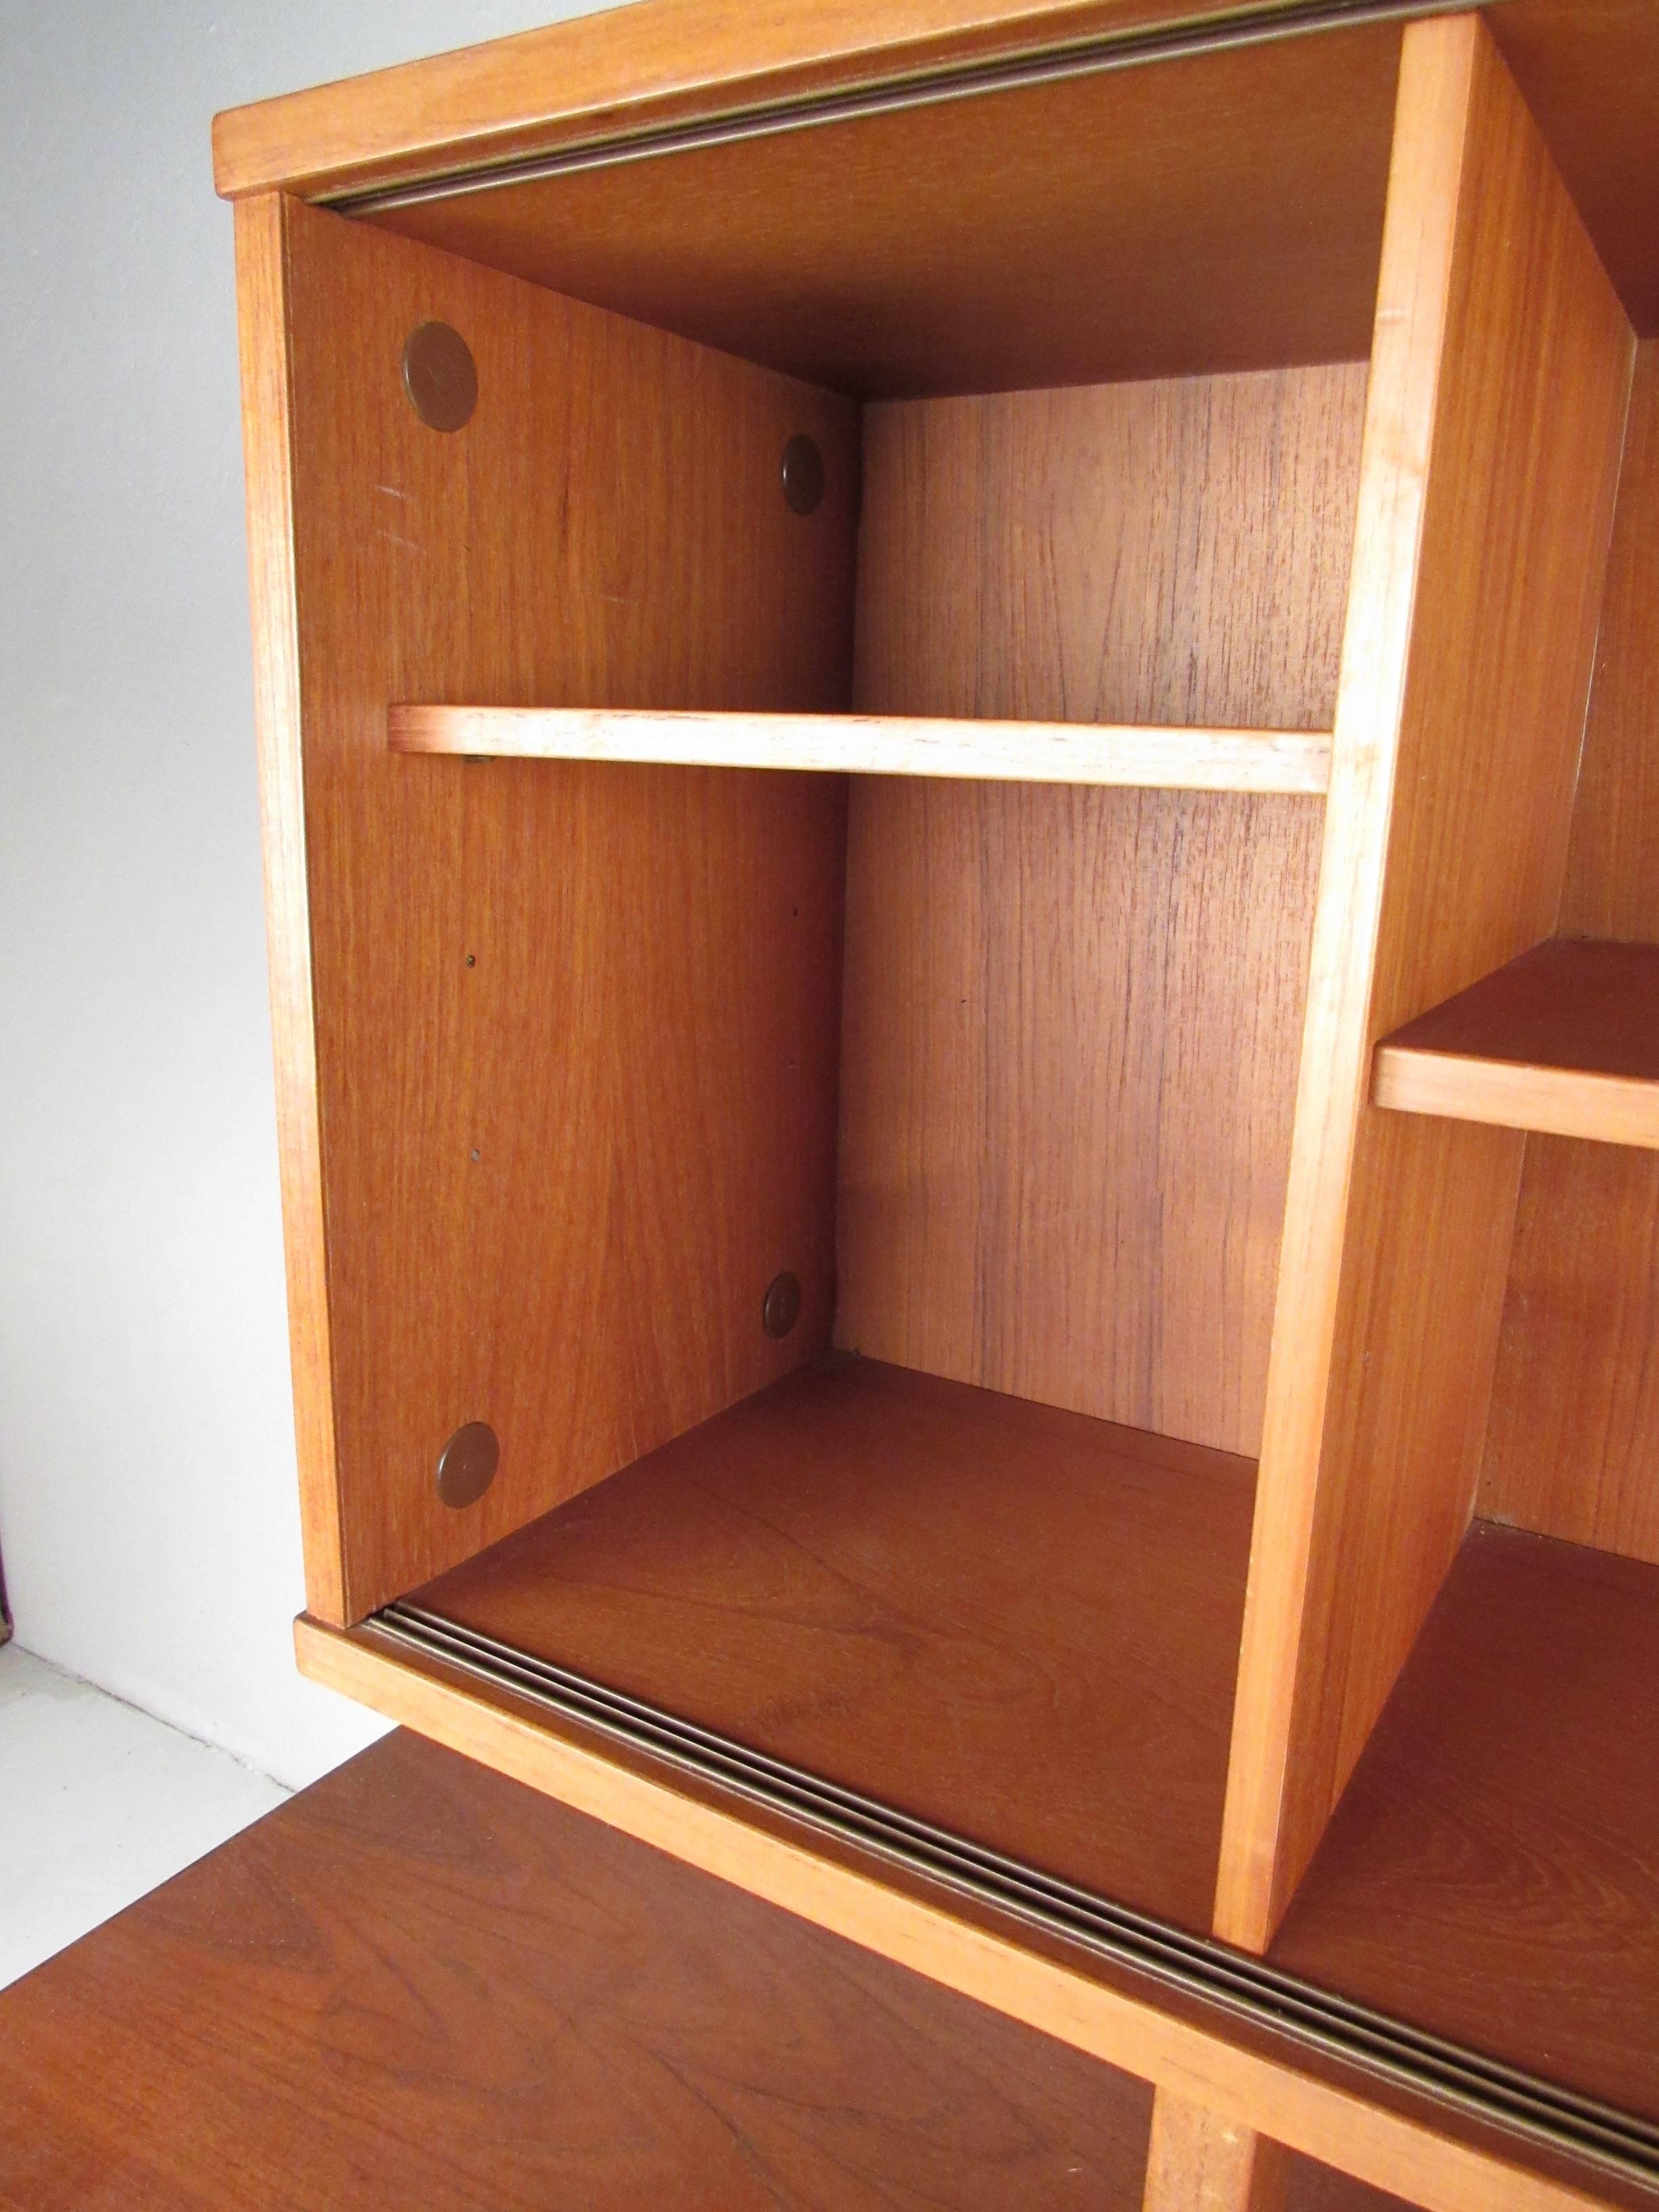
(959, 711)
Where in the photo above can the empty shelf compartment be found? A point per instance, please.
(1016, 1624)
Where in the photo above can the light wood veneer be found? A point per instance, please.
(878, 744)
(1497, 395)
(1565, 1040)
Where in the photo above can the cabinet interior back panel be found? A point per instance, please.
(1573, 1446)
(1071, 1018)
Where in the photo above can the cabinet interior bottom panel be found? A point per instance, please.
(1015, 1623)
(1492, 1871)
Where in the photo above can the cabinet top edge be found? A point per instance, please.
(650, 66)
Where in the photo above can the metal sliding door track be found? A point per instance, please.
(1247, 1987)
(1233, 27)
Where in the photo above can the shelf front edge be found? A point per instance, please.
(1554, 1101)
(1291, 762)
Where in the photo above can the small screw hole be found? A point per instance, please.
(803, 474)
(467, 1464)
(441, 376)
(781, 1307)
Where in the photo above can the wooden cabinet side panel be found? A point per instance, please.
(576, 1024)
(1573, 1449)
(261, 290)
(1492, 458)
(1071, 1017)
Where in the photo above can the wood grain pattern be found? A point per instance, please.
(622, 72)
(1197, 2162)
(1221, 212)
(1069, 1028)
(1573, 1447)
(1425, 2155)
(267, 435)
(470, 1997)
(1014, 1623)
(871, 745)
(1170, 552)
(1490, 1873)
(1060, 1006)
(1590, 71)
(420, 1984)
(576, 1025)
(1565, 1040)
(1496, 401)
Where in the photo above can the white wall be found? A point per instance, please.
(147, 1517)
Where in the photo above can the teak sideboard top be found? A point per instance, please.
(596, 2026)
(959, 732)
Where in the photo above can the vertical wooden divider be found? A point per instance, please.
(1499, 375)
(556, 1041)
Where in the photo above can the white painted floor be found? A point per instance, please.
(98, 1804)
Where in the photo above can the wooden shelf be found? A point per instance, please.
(1151, 758)
(1565, 1040)
(1018, 1624)
(1490, 1873)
